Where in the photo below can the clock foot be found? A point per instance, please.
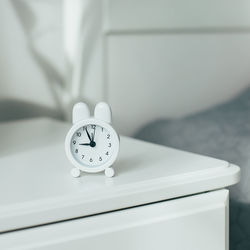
(75, 172)
(109, 172)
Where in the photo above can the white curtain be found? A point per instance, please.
(45, 47)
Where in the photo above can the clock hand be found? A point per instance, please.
(92, 144)
(94, 134)
(88, 135)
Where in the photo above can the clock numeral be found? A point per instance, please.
(100, 158)
(102, 129)
(76, 151)
(93, 126)
(74, 142)
(83, 156)
(78, 134)
(109, 145)
(107, 153)
(108, 136)
(91, 160)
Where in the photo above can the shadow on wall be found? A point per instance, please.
(17, 109)
(40, 29)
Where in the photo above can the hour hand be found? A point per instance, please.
(84, 144)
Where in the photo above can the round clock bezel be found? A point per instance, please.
(115, 141)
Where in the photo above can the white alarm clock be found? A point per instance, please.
(92, 144)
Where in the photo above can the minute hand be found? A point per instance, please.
(88, 135)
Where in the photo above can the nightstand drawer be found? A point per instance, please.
(198, 222)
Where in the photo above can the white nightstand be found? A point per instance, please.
(160, 198)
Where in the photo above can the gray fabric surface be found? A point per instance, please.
(222, 132)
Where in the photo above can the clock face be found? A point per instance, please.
(92, 145)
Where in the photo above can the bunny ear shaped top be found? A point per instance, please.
(80, 112)
(103, 112)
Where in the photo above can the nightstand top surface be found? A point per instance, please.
(36, 186)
